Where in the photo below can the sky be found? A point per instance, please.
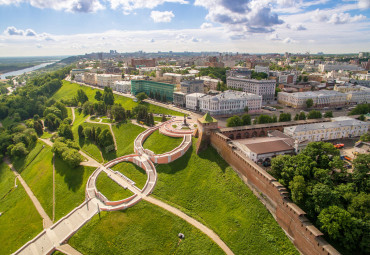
(71, 27)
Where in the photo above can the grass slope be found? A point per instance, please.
(206, 187)
(20, 221)
(110, 189)
(159, 143)
(70, 186)
(69, 90)
(125, 136)
(132, 171)
(142, 229)
(39, 176)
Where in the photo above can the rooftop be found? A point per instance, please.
(207, 118)
(326, 125)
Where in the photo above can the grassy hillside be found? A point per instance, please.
(125, 136)
(142, 229)
(207, 188)
(69, 90)
(132, 171)
(20, 221)
(159, 143)
(110, 189)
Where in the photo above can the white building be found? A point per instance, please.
(192, 100)
(122, 86)
(209, 82)
(342, 127)
(262, 69)
(107, 80)
(230, 102)
(358, 97)
(264, 88)
(90, 78)
(331, 67)
(79, 77)
(321, 98)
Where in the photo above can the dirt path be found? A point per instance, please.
(73, 115)
(46, 220)
(192, 221)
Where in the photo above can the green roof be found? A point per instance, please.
(207, 118)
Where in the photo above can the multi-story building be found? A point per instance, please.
(192, 101)
(322, 98)
(358, 97)
(330, 67)
(178, 78)
(210, 83)
(77, 71)
(90, 78)
(122, 86)
(192, 86)
(107, 80)
(262, 69)
(342, 127)
(287, 78)
(214, 62)
(239, 72)
(152, 88)
(348, 87)
(143, 63)
(264, 88)
(79, 77)
(230, 102)
(179, 99)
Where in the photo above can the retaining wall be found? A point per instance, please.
(305, 236)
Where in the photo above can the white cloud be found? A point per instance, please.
(344, 18)
(165, 16)
(364, 4)
(274, 37)
(130, 5)
(289, 40)
(28, 33)
(299, 27)
(206, 25)
(66, 5)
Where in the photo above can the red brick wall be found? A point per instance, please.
(306, 237)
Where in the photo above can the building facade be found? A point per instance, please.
(165, 90)
(90, 78)
(262, 69)
(342, 127)
(107, 80)
(122, 86)
(179, 99)
(192, 86)
(264, 88)
(143, 63)
(230, 102)
(192, 101)
(322, 98)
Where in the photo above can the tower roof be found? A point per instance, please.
(207, 118)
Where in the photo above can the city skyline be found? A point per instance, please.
(70, 27)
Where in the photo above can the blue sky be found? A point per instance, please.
(56, 27)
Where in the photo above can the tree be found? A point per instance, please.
(262, 119)
(81, 96)
(164, 119)
(360, 109)
(98, 95)
(81, 131)
(302, 116)
(246, 119)
(246, 109)
(323, 196)
(234, 121)
(88, 108)
(360, 205)
(309, 103)
(321, 153)
(328, 114)
(285, 117)
(37, 125)
(314, 115)
(19, 150)
(108, 96)
(72, 157)
(141, 96)
(305, 78)
(360, 174)
(63, 110)
(65, 131)
(298, 189)
(365, 137)
(362, 117)
(52, 122)
(118, 112)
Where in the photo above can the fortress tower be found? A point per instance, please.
(205, 125)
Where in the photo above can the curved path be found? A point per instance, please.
(55, 237)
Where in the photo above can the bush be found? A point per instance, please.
(314, 115)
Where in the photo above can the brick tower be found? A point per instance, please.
(205, 125)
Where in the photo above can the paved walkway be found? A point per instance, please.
(192, 221)
(47, 222)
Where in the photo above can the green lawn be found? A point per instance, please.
(110, 189)
(70, 186)
(159, 119)
(46, 135)
(69, 113)
(19, 222)
(159, 143)
(69, 90)
(132, 171)
(142, 229)
(125, 136)
(39, 176)
(207, 188)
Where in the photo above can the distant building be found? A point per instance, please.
(322, 98)
(264, 88)
(192, 86)
(230, 102)
(179, 99)
(339, 128)
(214, 62)
(358, 97)
(210, 83)
(239, 72)
(79, 77)
(107, 80)
(143, 63)
(287, 78)
(151, 88)
(177, 78)
(262, 69)
(77, 71)
(122, 86)
(330, 67)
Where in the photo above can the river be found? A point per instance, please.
(26, 70)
